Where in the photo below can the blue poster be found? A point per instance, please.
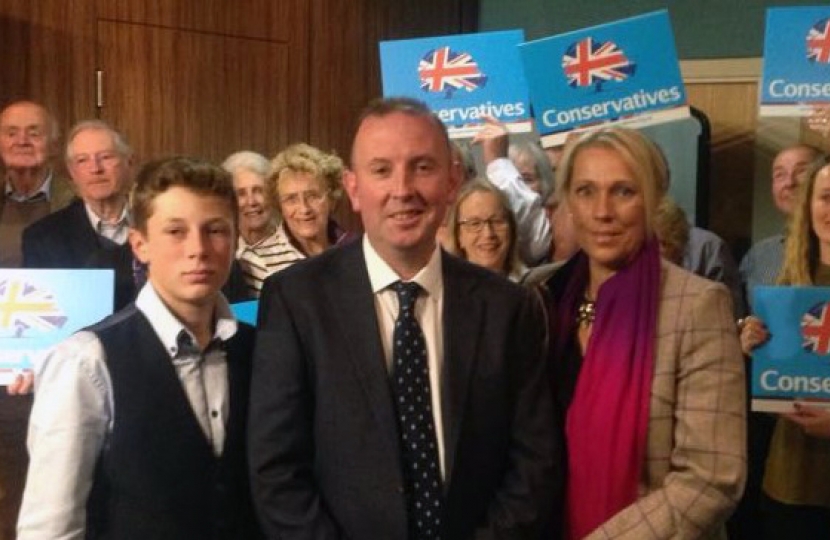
(39, 308)
(246, 311)
(796, 60)
(462, 78)
(621, 72)
(795, 362)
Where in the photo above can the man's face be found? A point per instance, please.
(787, 173)
(402, 181)
(188, 246)
(25, 136)
(99, 171)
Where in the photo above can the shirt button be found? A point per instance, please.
(214, 414)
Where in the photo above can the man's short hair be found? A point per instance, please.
(118, 139)
(381, 107)
(196, 175)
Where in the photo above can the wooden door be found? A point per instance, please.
(176, 91)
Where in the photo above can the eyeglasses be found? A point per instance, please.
(310, 198)
(476, 225)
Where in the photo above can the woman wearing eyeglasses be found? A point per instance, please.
(483, 229)
(306, 184)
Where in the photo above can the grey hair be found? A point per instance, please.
(118, 139)
(246, 159)
(532, 150)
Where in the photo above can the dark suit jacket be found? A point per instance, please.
(323, 435)
(66, 239)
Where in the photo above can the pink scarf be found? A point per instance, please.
(607, 421)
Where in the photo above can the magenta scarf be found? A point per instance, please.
(607, 421)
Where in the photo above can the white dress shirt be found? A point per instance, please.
(73, 414)
(429, 310)
(117, 232)
(534, 230)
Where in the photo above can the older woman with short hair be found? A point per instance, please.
(257, 221)
(644, 359)
(483, 229)
(307, 184)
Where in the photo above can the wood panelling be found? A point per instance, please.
(181, 91)
(732, 109)
(272, 20)
(46, 55)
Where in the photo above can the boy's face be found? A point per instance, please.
(188, 247)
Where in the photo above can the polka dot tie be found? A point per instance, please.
(410, 374)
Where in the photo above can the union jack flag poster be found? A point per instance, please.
(795, 362)
(444, 71)
(589, 62)
(462, 78)
(39, 308)
(796, 68)
(622, 72)
(815, 329)
(818, 42)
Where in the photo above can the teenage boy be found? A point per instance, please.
(138, 426)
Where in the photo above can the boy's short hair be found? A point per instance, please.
(160, 175)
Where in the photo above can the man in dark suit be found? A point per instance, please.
(92, 231)
(338, 404)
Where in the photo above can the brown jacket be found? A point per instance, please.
(696, 457)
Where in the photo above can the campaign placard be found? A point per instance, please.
(795, 362)
(796, 61)
(462, 78)
(39, 308)
(624, 72)
(246, 311)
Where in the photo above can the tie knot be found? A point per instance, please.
(407, 294)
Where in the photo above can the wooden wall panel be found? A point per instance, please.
(732, 108)
(45, 48)
(305, 67)
(189, 92)
(272, 20)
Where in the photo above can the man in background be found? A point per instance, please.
(92, 231)
(31, 187)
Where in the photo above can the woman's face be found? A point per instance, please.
(484, 231)
(820, 211)
(255, 210)
(608, 208)
(305, 205)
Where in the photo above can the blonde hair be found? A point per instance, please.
(642, 157)
(480, 185)
(672, 230)
(304, 158)
(801, 248)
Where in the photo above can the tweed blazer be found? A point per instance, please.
(696, 454)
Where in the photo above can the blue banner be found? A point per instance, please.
(796, 60)
(795, 362)
(246, 311)
(462, 78)
(622, 72)
(39, 308)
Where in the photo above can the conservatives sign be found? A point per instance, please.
(39, 308)
(795, 362)
(462, 78)
(796, 60)
(625, 71)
